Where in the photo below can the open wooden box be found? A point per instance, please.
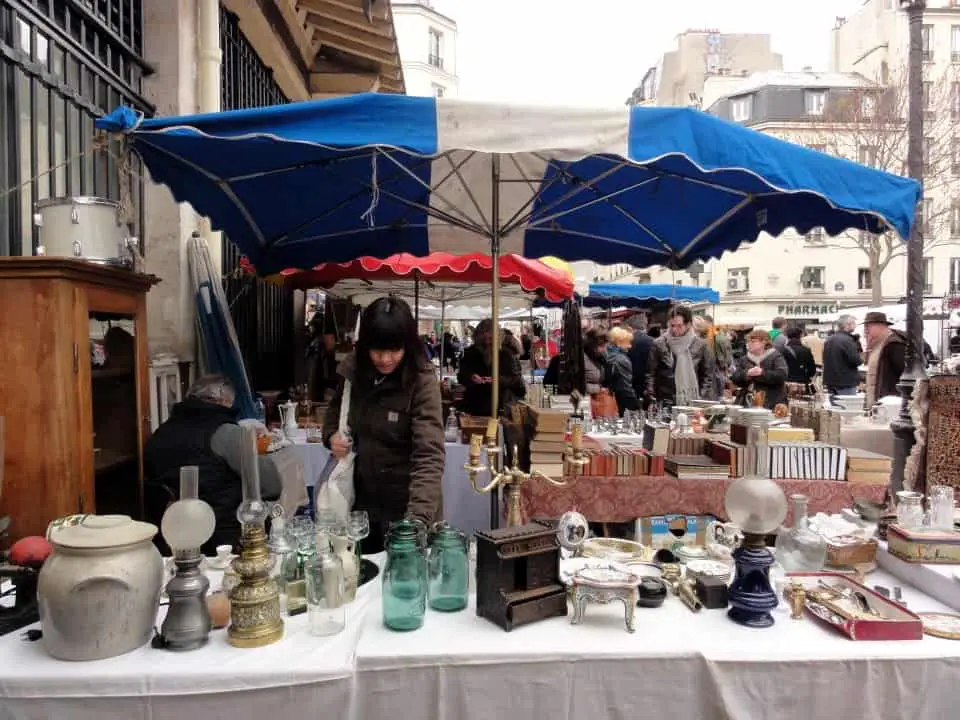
(892, 622)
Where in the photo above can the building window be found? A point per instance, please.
(955, 100)
(955, 219)
(927, 145)
(435, 53)
(927, 98)
(813, 277)
(868, 105)
(926, 209)
(928, 276)
(738, 280)
(955, 155)
(815, 101)
(955, 43)
(819, 147)
(864, 279)
(927, 34)
(644, 279)
(438, 90)
(741, 108)
(867, 155)
(814, 237)
(954, 275)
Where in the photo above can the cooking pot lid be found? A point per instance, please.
(104, 531)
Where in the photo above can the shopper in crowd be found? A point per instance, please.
(620, 369)
(762, 369)
(476, 374)
(596, 374)
(777, 335)
(395, 419)
(801, 367)
(681, 365)
(814, 343)
(842, 359)
(886, 361)
(639, 353)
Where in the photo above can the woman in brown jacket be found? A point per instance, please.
(395, 419)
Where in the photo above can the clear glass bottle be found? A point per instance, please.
(326, 609)
(798, 548)
(404, 578)
(448, 569)
(452, 431)
(283, 551)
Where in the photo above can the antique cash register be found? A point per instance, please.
(518, 575)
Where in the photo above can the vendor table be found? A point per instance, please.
(623, 499)
(678, 665)
(460, 667)
(463, 508)
(280, 682)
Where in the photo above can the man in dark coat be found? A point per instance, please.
(203, 431)
(841, 359)
(639, 352)
(886, 361)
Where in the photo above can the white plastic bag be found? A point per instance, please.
(335, 484)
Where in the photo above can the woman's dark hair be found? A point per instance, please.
(794, 332)
(388, 324)
(593, 339)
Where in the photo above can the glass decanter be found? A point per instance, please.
(798, 548)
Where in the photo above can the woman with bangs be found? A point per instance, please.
(395, 421)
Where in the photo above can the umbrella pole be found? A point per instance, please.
(416, 299)
(533, 365)
(443, 314)
(495, 307)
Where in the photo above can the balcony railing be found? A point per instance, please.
(435, 60)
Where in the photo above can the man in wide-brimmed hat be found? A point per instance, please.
(886, 349)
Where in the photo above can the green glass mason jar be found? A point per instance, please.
(404, 577)
(448, 569)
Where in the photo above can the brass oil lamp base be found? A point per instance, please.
(255, 603)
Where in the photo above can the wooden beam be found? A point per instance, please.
(353, 8)
(382, 43)
(290, 30)
(350, 45)
(324, 12)
(343, 83)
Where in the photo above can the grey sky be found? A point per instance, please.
(594, 52)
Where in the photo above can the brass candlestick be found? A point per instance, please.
(510, 478)
(255, 602)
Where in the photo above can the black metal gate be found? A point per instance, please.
(262, 313)
(62, 63)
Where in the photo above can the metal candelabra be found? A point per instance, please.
(512, 477)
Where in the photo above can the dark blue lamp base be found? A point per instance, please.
(751, 597)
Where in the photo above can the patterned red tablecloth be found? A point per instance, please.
(622, 499)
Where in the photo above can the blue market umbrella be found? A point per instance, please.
(332, 180)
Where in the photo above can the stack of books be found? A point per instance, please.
(787, 461)
(695, 467)
(549, 441)
(627, 458)
(867, 467)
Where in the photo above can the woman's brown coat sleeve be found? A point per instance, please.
(429, 452)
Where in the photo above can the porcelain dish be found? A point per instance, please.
(616, 549)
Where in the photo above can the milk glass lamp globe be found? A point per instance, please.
(187, 524)
(253, 512)
(756, 505)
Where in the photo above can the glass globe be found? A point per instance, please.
(756, 505)
(187, 524)
(253, 512)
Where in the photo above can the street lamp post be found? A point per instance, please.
(914, 367)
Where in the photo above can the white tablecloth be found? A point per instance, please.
(463, 508)
(288, 680)
(677, 664)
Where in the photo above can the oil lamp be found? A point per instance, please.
(757, 505)
(186, 526)
(255, 603)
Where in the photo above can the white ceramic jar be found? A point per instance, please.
(99, 591)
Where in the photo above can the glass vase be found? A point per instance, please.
(798, 548)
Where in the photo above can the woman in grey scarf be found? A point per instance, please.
(764, 369)
(681, 364)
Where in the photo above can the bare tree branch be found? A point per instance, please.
(869, 125)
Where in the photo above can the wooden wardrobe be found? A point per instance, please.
(74, 428)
